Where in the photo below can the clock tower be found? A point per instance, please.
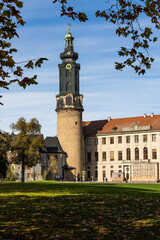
(69, 110)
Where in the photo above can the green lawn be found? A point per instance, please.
(49, 210)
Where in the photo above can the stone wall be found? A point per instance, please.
(69, 133)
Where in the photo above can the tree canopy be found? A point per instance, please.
(27, 143)
(5, 141)
(126, 15)
(10, 70)
(52, 168)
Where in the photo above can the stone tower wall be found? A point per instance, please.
(69, 133)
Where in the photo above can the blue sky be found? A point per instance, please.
(107, 92)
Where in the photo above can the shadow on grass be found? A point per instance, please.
(85, 216)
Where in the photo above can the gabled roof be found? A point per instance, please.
(52, 145)
(131, 123)
(93, 127)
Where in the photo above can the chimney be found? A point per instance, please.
(145, 115)
(109, 119)
(152, 115)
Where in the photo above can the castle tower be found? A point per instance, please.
(69, 109)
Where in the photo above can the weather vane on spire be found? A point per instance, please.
(69, 26)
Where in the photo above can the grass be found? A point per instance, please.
(51, 210)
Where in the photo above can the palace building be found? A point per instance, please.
(116, 149)
(124, 149)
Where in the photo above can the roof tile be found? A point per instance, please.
(118, 125)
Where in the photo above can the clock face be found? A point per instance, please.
(68, 53)
(68, 66)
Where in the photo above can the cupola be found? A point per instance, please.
(69, 40)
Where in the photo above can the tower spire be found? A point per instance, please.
(69, 70)
(69, 109)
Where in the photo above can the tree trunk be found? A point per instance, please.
(23, 171)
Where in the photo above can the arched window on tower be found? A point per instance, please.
(128, 153)
(136, 153)
(68, 87)
(145, 153)
(68, 73)
(68, 101)
(66, 43)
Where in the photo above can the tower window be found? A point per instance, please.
(75, 123)
(68, 73)
(68, 101)
(66, 43)
(68, 87)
